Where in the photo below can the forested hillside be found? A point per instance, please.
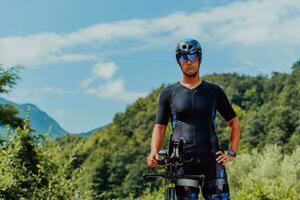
(114, 158)
(109, 163)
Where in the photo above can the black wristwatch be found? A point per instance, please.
(231, 152)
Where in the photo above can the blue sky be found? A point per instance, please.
(87, 60)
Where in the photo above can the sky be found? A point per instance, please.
(85, 61)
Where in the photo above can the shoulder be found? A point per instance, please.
(213, 87)
(169, 89)
(167, 92)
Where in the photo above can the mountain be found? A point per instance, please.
(39, 120)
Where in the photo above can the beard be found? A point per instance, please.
(190, 75)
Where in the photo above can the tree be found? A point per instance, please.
(296, 65)
(268, 107)
(8, 112)
(28, 169)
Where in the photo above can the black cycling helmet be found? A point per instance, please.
(189, 46)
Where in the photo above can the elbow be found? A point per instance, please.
(234, 123)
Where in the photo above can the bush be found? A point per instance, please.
(28, 170)
(266, 175)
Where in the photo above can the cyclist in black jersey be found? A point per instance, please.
(191, 105)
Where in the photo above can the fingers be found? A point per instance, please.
(221, 158)
(151, 161)
(224, 158)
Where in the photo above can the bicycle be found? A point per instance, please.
(172, 160)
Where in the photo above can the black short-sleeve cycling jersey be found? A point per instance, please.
(192, 113)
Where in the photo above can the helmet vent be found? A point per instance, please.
(190, 47)
(184, 46)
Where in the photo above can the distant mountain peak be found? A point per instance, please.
(39, 120)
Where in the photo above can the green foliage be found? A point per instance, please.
(8, 116)
(8, 113)
(266, 175)
(28, 170)
(113, 159)
(153, 195)
(296, 65)
(8, 78)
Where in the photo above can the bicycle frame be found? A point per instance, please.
(172, 161)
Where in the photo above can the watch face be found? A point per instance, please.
(231, 152)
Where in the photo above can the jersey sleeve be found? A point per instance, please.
(163, 110)
(223, 106)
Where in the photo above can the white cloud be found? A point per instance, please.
(86, 82)
(246, 23)
(35, 94)
(104, 70)
(72, 57)
(114, 89)
(101, 70)
(111, 87)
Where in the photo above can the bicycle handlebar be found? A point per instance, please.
(196, 177)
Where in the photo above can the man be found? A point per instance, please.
(191, 104)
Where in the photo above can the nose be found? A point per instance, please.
(188, 61)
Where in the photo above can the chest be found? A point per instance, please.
(193, 103)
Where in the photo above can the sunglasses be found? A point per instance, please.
(184, 57)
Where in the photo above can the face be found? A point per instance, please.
(189, 68)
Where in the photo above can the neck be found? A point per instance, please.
(191, 80)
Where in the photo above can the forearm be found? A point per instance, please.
(157, 137)
(235, 134)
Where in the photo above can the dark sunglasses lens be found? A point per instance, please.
(182, 58)
(185, 57)
(192, 57)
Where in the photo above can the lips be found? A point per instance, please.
(190, 68)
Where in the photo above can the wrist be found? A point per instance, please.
(231, 152)
(154, 152)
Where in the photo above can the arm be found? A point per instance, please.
(235, 133)
(234, 140)
(225, 109)
(157, 137)
(156, 143)
(162, 118)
